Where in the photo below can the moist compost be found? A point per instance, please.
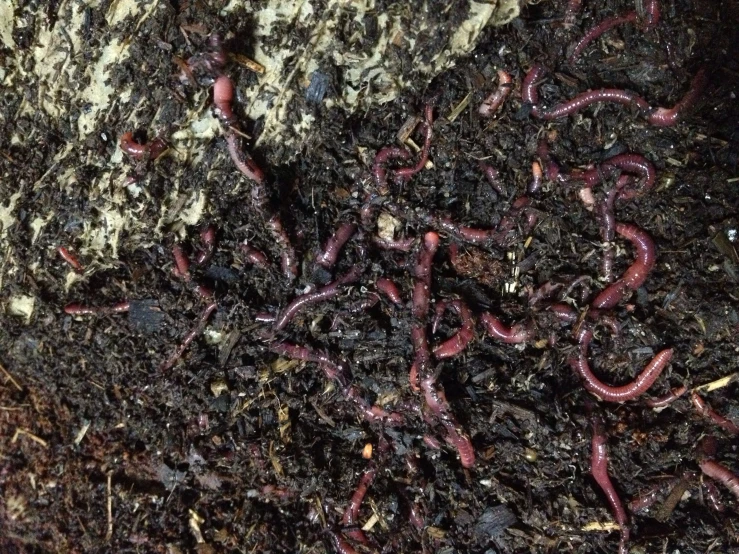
(255, 433)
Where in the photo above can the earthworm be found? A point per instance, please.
(287, 252)
(609, 393)
(389, 289)
(572, 11)
(70, 258)
(515, 334)
(599, 471)
(647, 498)
(379, 173)
(598, 30)
(667, 399)
(492, 103)
(432, 442)
(223, 94)
(415, 517)
(254, 256)
(352, 510)
(636, 274)
(460, 340)
(706, 411)
(722, 474)
(149, 151)
(79, 309)
(336, 371)
(535, 184)
(713, 496)
(666, 117)
(651, 13)
(423, 366)
(334, 244)
(660, 117)
(243, 161)
(401, 245)
(324, 293)
(340, 544)
(197, 330)
(493, 177)
(631, 163)
(405, 173)
(564, 312)
(182, 264)
(208, 238)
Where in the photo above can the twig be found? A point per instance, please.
(109, 534)
(717, 384)
(19, 431)
(10, 378)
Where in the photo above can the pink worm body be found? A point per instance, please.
(324, 293)
(223, 94)
(151, 150)
(631, 163)
(660, 117)
(351, 513)
(706, 411)
(667, 399)
(405, 173)
(197, 330)
(334, 244)
(381, 158)
(598, 30)
(492, 103)
(599, 471)
(636, 274)
(389, 289)
(242, 161)
(714, 470)
(461, 338)
(609, 393)
(254, 256)
(70, 258)
(515, 334)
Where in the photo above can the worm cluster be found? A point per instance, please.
(386, 260)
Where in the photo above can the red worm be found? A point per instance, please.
(79, 309)
(515, 334)
(535, 184)
(564, 312)
(609, 393)
(340, 543)
(287, 252)
(459, 440)
(223, 94)
(717, 471)
(493, 177)
(666, 117)
(493, 102)
(660, 117)
(437, 403)
(599, 471)
(572, 11)
(381, 158)
(351, 513)
(243, 162)
(630, 163)
(338, 372)
(389, 289)
(70, 258)
(406, 173)
(182, 264)
(401, 245)
(330, 253)
(148, 151)
(208, 238)
(636, 274)
(713, 496)
(197, 330)
(324, 293)
(706, 411)
(254, 256)
(462, 338)
(667, 399)
(598, 30)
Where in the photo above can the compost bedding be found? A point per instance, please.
(241, 446)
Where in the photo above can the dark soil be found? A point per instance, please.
(235, 449)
